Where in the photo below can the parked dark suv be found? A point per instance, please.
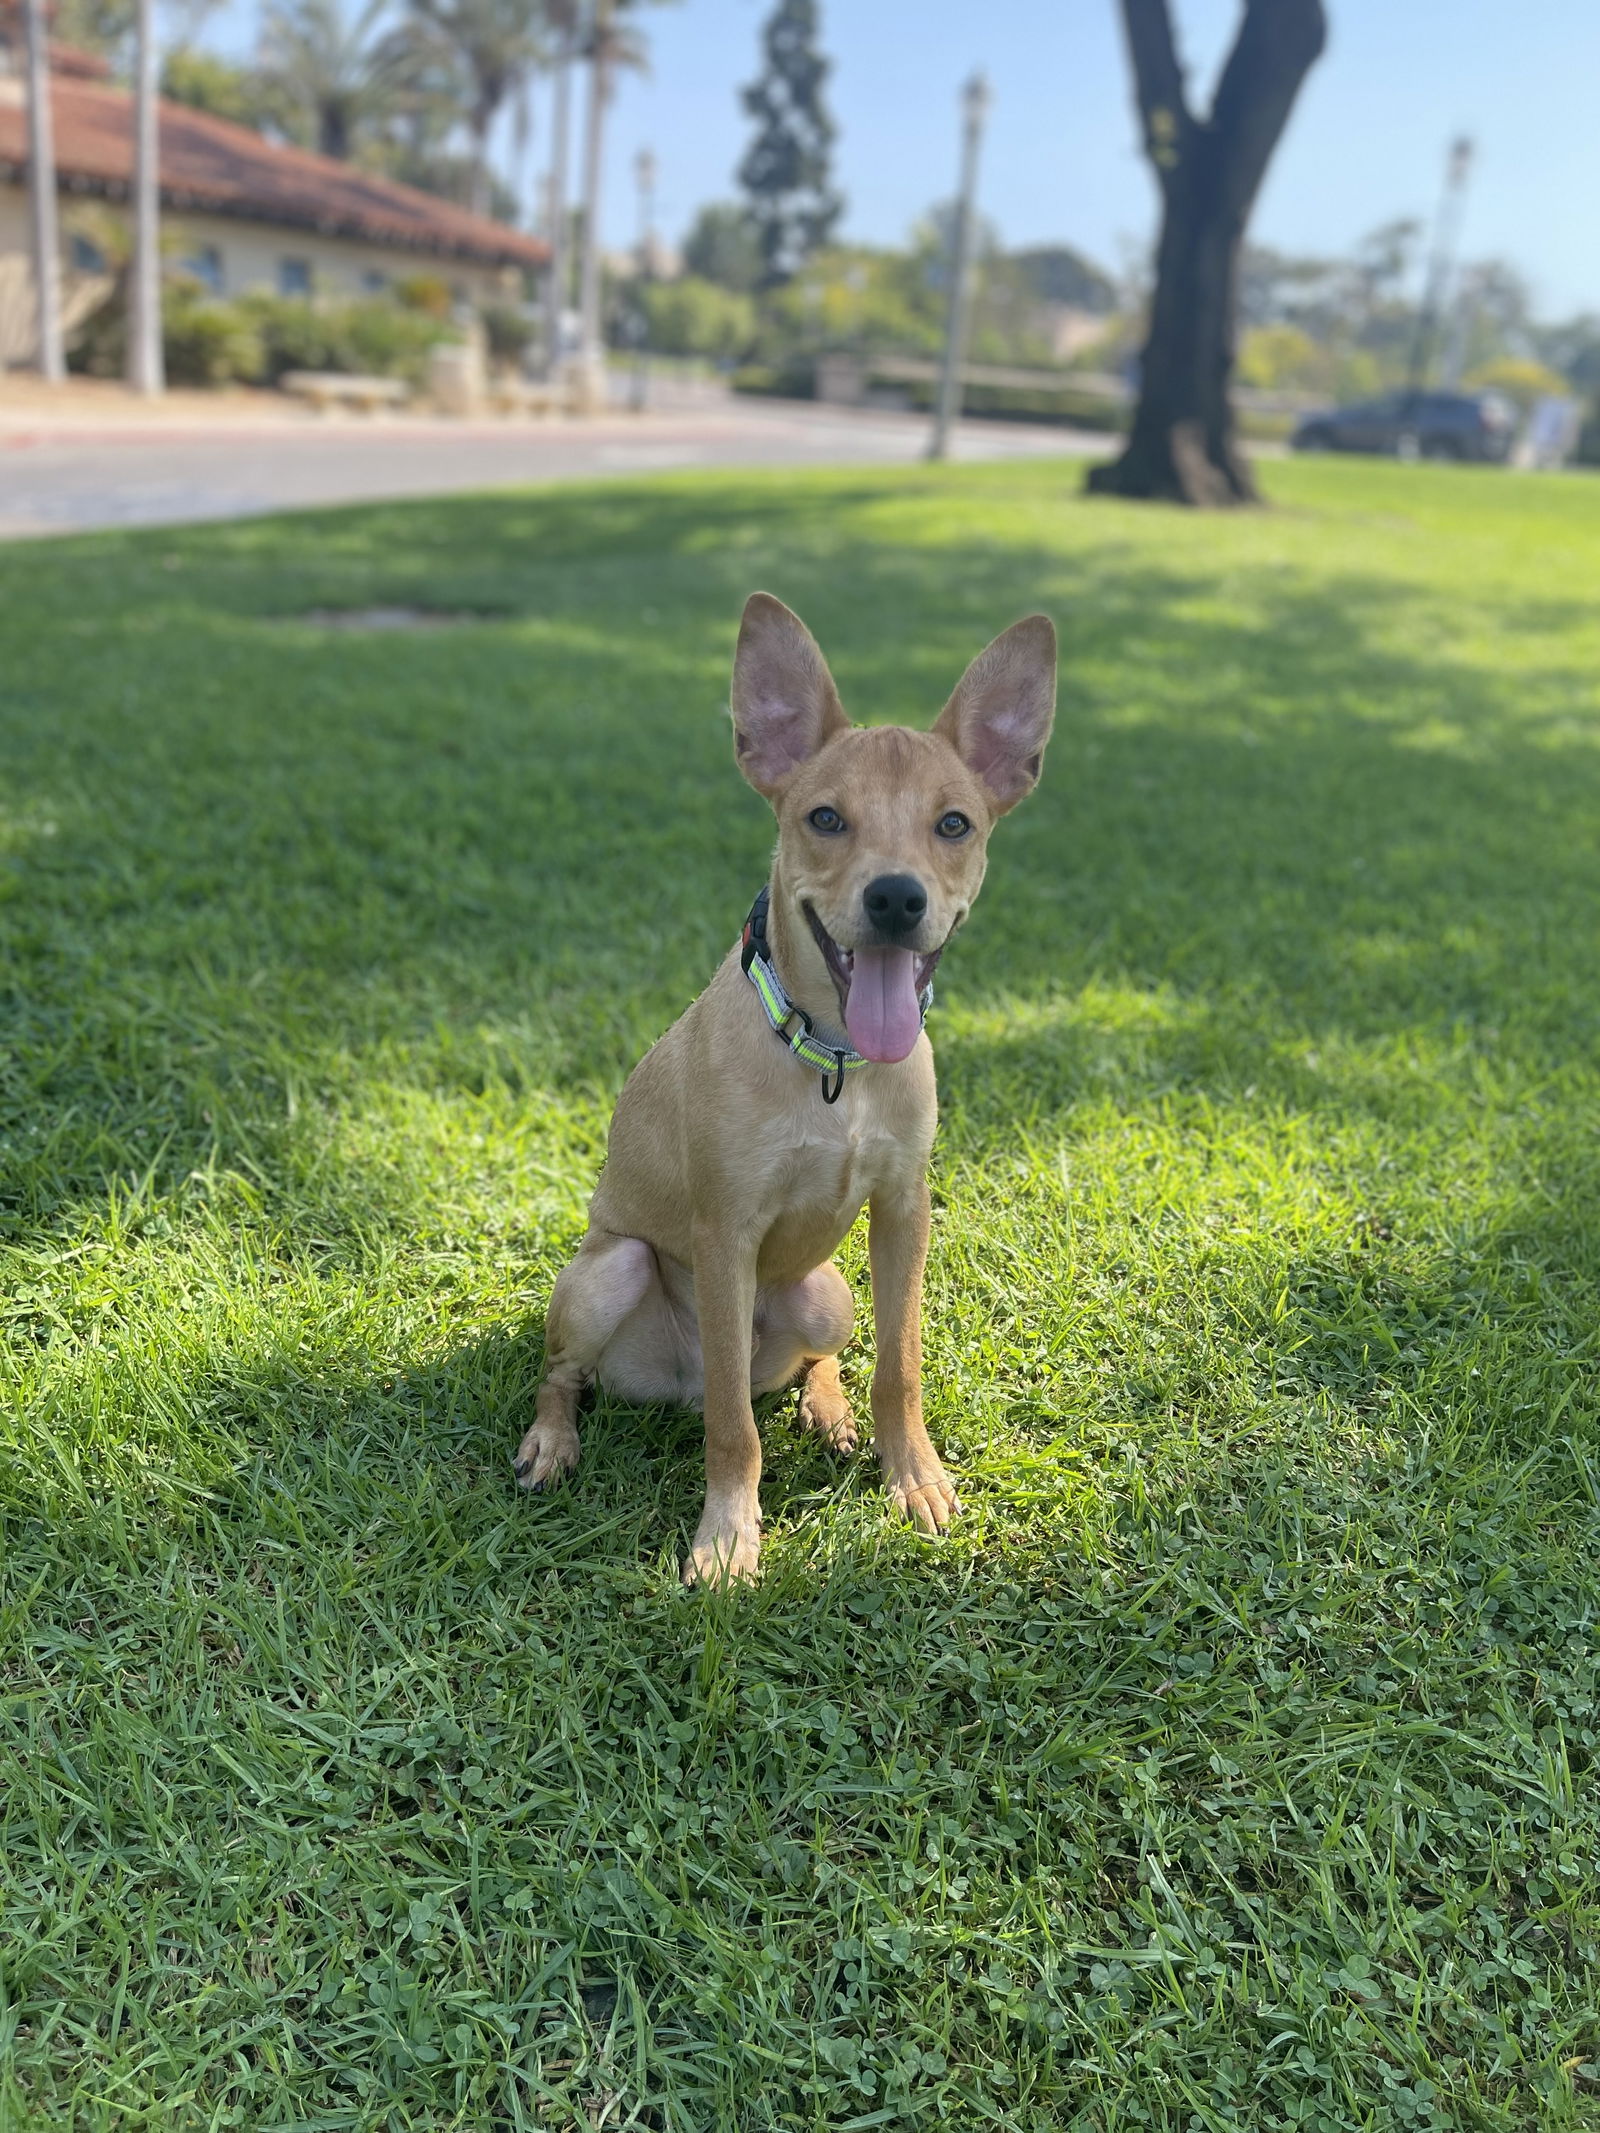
(1414, 426)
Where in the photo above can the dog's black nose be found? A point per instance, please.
(896, 904)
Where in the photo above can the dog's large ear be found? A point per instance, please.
(785, 705)
(1000, 716)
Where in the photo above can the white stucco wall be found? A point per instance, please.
(251, 256)
(80, 293)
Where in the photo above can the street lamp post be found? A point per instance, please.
(42, 200)
(644, 171)
(974, 109)
(1446, 231)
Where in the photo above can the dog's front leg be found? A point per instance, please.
(898, 1246)
(728, 1542)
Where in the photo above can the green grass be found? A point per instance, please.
(1233, 1764)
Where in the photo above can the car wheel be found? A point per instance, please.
(1440, 448)
(1313, 441)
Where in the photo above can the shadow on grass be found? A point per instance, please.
(1287, 841)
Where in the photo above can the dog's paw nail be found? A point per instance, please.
(521, 1469)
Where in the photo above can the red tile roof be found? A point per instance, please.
(208, 164)
(73, 59)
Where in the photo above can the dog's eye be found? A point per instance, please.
(827, 819)
(953, 825)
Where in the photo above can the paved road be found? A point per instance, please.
(72, 478)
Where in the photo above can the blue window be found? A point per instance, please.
(87, 257)
(294, 277)
(205, 264)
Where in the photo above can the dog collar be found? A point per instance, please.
(791, 1025)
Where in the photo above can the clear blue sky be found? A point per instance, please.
(1367, 141)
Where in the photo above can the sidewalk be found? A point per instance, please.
(90, 456)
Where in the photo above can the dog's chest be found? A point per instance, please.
(822, 1170)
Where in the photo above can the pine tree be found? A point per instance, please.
(786, 171)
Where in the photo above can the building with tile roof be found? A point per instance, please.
(241, 212)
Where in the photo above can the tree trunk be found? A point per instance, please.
(1183, 447)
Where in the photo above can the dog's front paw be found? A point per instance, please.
(546, 1453)
(726, 1551)
(923, 1492)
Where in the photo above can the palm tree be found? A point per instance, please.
(42, 199)
(565, 18)
(146, 355)
(610, 44)
(332, 79)
(497, 44)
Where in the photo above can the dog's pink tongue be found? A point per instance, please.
(881, 1013)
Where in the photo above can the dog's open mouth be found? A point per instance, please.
(880, 992)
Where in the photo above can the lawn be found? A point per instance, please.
(1232, 1763)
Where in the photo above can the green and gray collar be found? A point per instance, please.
(791, 1025)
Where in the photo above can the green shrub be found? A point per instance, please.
(256, 339)
(294, 335)
(508, 331)
(1042, 403)
(1518, 379)
(425, 292)
(389, 341)
(204, 341)
(99, 347)
(1065, 403)
(694, 317)
(794, 380)
(207, 342)
(1070, 404)
(375, 337)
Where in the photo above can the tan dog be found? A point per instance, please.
(736, 1163)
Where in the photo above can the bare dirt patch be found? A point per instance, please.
(391, 618)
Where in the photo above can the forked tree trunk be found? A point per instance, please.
(1183, 448)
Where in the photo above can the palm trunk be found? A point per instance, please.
(591, 353)
(557, 275)
(478, 192)
(146, 370)
(333, 131)
(42, 200)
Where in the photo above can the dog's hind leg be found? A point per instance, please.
(825, 1406)
(593, 1294)
(813, 1320)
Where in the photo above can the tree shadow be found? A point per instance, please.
(1287, 838)
(277, 907)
